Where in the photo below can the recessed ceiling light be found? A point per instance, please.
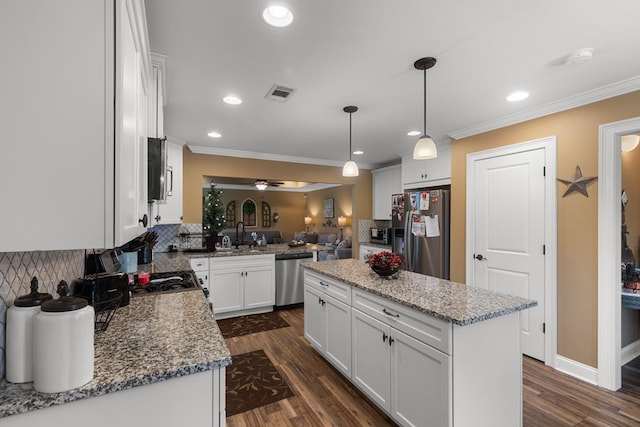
(277, 16)
(358, 152)
(579, 56)
(517, 96)
(214, 134)
(233, 100)
(413, 133)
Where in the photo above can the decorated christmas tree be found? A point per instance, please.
(213, 220)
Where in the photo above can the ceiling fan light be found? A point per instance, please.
(630, 142)
(261, 187)
(425, 148)
(350, 169)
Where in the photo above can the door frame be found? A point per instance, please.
(609, 241)
(550, 265)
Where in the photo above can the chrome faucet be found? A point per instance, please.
(238, 225)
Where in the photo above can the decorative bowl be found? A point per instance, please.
(384, 272)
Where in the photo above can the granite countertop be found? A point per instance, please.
(273, 249)
(154, 338)
(451, 301)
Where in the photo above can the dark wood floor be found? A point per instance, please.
(324, 398)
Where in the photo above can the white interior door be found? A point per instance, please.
(508, 234)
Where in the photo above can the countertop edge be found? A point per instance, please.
(54, 399)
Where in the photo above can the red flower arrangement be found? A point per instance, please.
(384, 263)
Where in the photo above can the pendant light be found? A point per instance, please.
(350, 168)
(425, 148)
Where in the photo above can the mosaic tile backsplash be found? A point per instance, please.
(17, 269)
(183, 236)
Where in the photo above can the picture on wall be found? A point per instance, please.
(328, 208)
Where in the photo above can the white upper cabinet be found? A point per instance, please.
(60, 125)
(133, 84)
(169, 211)
(157, 96)
(427, 173)
(386, 181)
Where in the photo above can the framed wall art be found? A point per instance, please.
(328, 208)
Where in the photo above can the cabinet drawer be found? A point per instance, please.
(428, 329)
(243, 261)
(332, 287)
(199, 264)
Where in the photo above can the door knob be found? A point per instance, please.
(144, 220)
(479, 257)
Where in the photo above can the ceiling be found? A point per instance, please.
(361, 52)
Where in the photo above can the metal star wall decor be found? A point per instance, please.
(577, 183)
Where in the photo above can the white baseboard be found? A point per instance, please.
(576, 369)
(630, 352)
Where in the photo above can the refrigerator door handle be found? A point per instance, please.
(408, 241)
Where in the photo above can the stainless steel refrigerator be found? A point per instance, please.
(421, 230)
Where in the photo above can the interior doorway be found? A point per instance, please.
(609, 244)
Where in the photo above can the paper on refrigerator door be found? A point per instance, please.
(432, 225)
(417, 228)
(424, 201)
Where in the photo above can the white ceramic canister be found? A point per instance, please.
(63, 343)
(19, 335)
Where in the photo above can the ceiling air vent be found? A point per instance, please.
(279, 93)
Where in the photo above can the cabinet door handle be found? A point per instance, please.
(384, 310)
(170, 173)
(391, 340)
(324, 284)
(323, 302)
(144, 220)
(319, 300)
(384, 337)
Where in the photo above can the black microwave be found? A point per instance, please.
(380, 235)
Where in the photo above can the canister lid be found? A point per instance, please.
(65, 302)
(34, 298)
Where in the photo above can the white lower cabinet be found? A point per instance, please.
(327, 319)
(420, 382)
(242, 285)
(405, 377)
(371, 358)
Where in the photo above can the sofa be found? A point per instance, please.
(333, 248)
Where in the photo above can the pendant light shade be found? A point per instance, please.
(350, 168)
(425, 148)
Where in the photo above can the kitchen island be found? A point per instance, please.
(427, 351)
(168, 343)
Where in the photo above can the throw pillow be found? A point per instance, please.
(345, 244)
(331, 238)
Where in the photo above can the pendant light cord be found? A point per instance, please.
(424, 128)
(350, 114)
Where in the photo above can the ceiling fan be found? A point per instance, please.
(261, 184)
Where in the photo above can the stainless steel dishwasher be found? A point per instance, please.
(289, 278)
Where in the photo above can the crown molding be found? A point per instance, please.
(135, 9)
(584, 98)
(160, 60)
(199, 149)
